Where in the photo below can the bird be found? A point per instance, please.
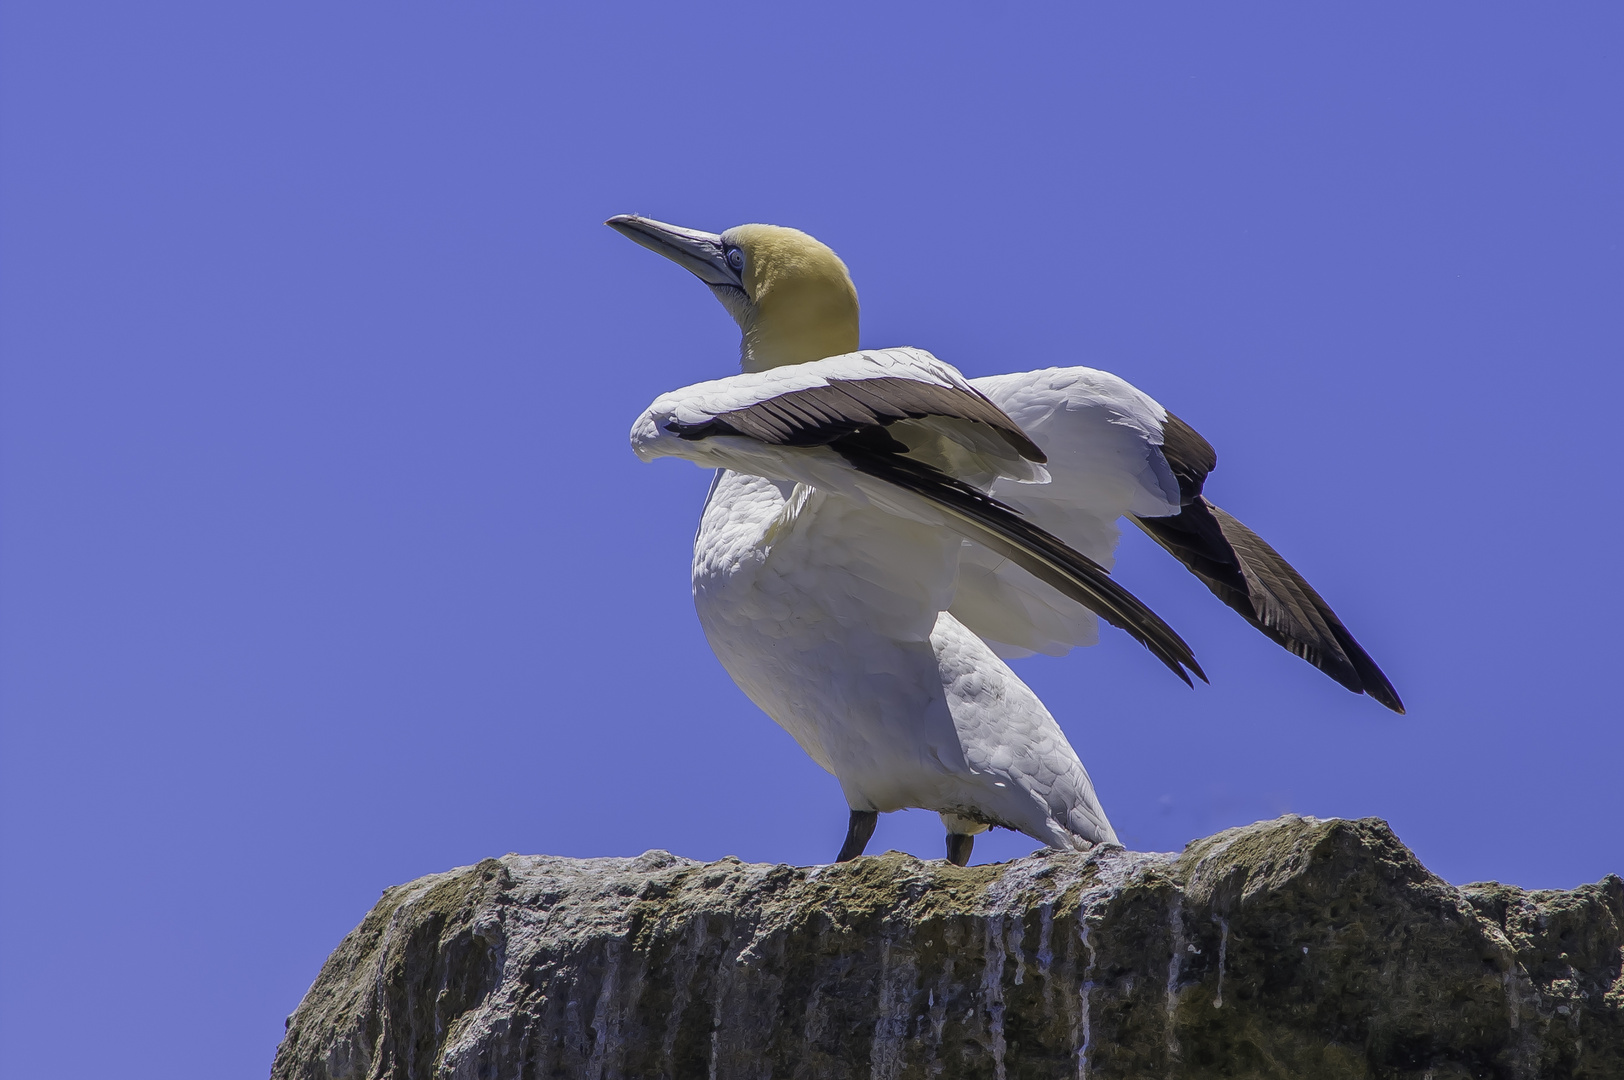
(883, 534)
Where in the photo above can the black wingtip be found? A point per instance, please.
(1386, 695)
(1183, 668)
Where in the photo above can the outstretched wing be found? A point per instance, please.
(1114, 452)
(1251, 577)
(903, 431)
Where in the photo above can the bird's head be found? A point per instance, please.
(792, 297)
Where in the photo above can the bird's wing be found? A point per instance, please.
(900, 430)
(1114, 452)
(1251, 577)
(918, 397)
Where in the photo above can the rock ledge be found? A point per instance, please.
(1289, 948)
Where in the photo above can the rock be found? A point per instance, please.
(1289, 948)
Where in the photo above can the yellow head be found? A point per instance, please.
(792, 297)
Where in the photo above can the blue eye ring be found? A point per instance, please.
(735, 258)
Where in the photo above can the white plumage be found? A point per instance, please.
(882, 532)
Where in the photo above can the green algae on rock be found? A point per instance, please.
(1289, 948)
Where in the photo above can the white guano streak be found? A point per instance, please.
(1174, 964)
(1088, 986)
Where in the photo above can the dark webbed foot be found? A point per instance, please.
(858, 831)
(958, 848)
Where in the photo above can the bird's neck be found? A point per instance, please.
(763, 348)
(787, 327)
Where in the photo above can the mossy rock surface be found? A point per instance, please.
(1289, 948)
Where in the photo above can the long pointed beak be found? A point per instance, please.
(700, 253)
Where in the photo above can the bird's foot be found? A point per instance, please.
(858, 831)
(958, 848)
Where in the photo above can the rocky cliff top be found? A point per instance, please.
(1295, 947)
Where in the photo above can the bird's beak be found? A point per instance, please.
(700, 253)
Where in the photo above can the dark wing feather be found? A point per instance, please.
(1246, 573)
(1189, 456)
(819, 415)
(1037, 551)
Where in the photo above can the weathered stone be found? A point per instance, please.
(1291, 948)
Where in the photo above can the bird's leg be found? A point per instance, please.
(858, 831)
(958, 848)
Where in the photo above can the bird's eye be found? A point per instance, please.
(735, 258)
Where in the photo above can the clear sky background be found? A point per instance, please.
(326, 565)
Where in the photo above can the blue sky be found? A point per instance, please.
(325, 563)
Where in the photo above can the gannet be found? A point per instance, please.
(883, 533)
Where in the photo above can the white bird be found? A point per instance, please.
(882, 532)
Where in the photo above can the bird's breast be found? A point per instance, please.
(789, 561)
